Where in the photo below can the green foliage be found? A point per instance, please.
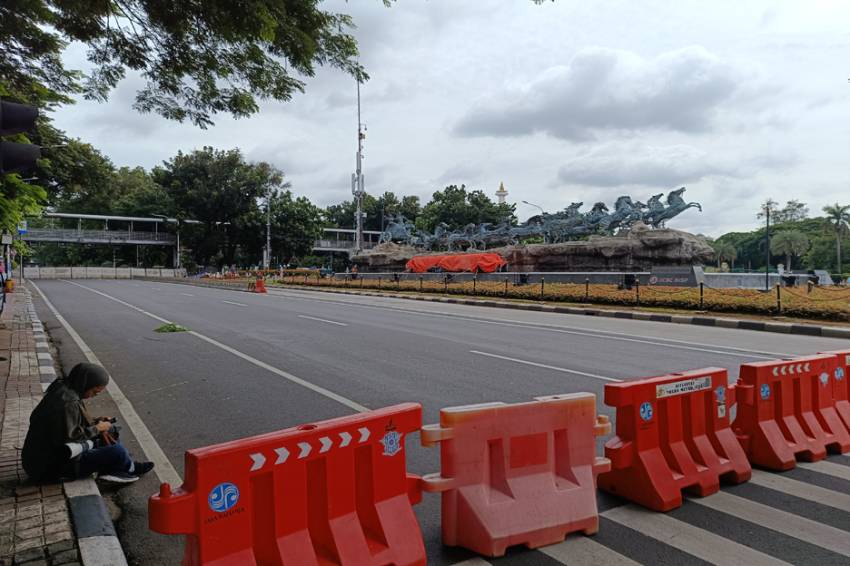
(791, 244)
(724, 251)
(342, 215)
(458, 207)
(197, 58)
(170, 327)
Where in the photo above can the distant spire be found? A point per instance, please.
(502, 193)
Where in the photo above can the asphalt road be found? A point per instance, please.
(193, 391)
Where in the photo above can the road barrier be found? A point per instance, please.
(786, 411)
(517, 474)
(260, 285)
(333, 492)
(840, 387)
(672, 433)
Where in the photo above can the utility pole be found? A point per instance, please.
(767, 248)
(357, 180)
(267, 252)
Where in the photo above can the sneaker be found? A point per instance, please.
(141, 468)
(119, 477)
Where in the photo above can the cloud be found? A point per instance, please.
(613, 165)
(606, 89)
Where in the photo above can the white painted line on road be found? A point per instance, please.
(688, 538)
(803, 490)
(259, 363)
(322, 320)
(578, 331)
(828, 468)
(235, 303)
(579, 550)
(162, 467)
(473, 562)
(187, 294)
(545, 366)
(795, 526)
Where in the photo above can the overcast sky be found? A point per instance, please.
(567, 101)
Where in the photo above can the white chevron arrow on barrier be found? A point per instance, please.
(282, 455)
(364, 434)
(326, 444)
(346, 439)
(305, 449)
(776, 371)
(259, 460)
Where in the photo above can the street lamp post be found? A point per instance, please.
(767, 248)
(357, 180)
(535, 205)
(267, 252)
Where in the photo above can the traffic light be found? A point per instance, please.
(15, 119)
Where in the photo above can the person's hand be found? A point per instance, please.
(103, 426)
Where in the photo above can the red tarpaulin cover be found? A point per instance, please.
(486, 263)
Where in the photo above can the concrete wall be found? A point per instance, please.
(98, 272)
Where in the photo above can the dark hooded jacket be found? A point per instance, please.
(59, 418)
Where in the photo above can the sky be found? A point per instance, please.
(567, 101)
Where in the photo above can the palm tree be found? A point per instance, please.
(725, 251)
(839, 217)
(790, 243)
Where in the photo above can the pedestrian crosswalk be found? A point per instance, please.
(797, 517)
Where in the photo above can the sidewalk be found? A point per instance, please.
(40, 525)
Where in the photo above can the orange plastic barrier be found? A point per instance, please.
(840, 387)
(260, 286)
(786, 410)
(517, 474)
(673, 433)
(334, 492)
(483, 262)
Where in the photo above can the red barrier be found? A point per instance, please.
(786, 410)
(673, 433)
(517, 474)
(335, 492)
(260, 286)
(840, 387)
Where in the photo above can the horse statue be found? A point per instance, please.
(625, 214)
(399, 230)
(461, 236)
(654, 207)
(439, 237)
(501, 234)
(676, 205)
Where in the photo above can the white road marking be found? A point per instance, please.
(259, 363)
(579, 331)
(688, 538)
(322, 320)
(828, 468)
(162, 467)
(187, 294)
(579, 550)
(473, 562)
(806, 491)
(812, 532)
(545, 366)
(235, 303)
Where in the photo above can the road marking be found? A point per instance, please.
(579, 550)
(809, 531)
(164, 387)
(322, 320)
(235, 303)
(187, 294)
(545, 366)
(162, 467)
(828, 468)
(259, 363)
(579, 331)
(687, 538)
(806, 491)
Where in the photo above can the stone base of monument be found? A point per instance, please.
(638, 249)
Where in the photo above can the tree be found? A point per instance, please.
(458, 207)
(724, 251)
(216, 188)
(769, 205)
(197, 58)
(838, 217)
(295, 226)
(793, 211)
(790, 243)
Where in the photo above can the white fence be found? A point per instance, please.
(98, 272)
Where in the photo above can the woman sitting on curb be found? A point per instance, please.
(64, 442)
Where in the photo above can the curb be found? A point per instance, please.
(96, 536)
(699, 320)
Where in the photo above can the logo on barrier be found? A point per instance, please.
(646, 411)
(824, 378)
(223, 497)
(765, 391)
(839, 373)
(391, 441)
